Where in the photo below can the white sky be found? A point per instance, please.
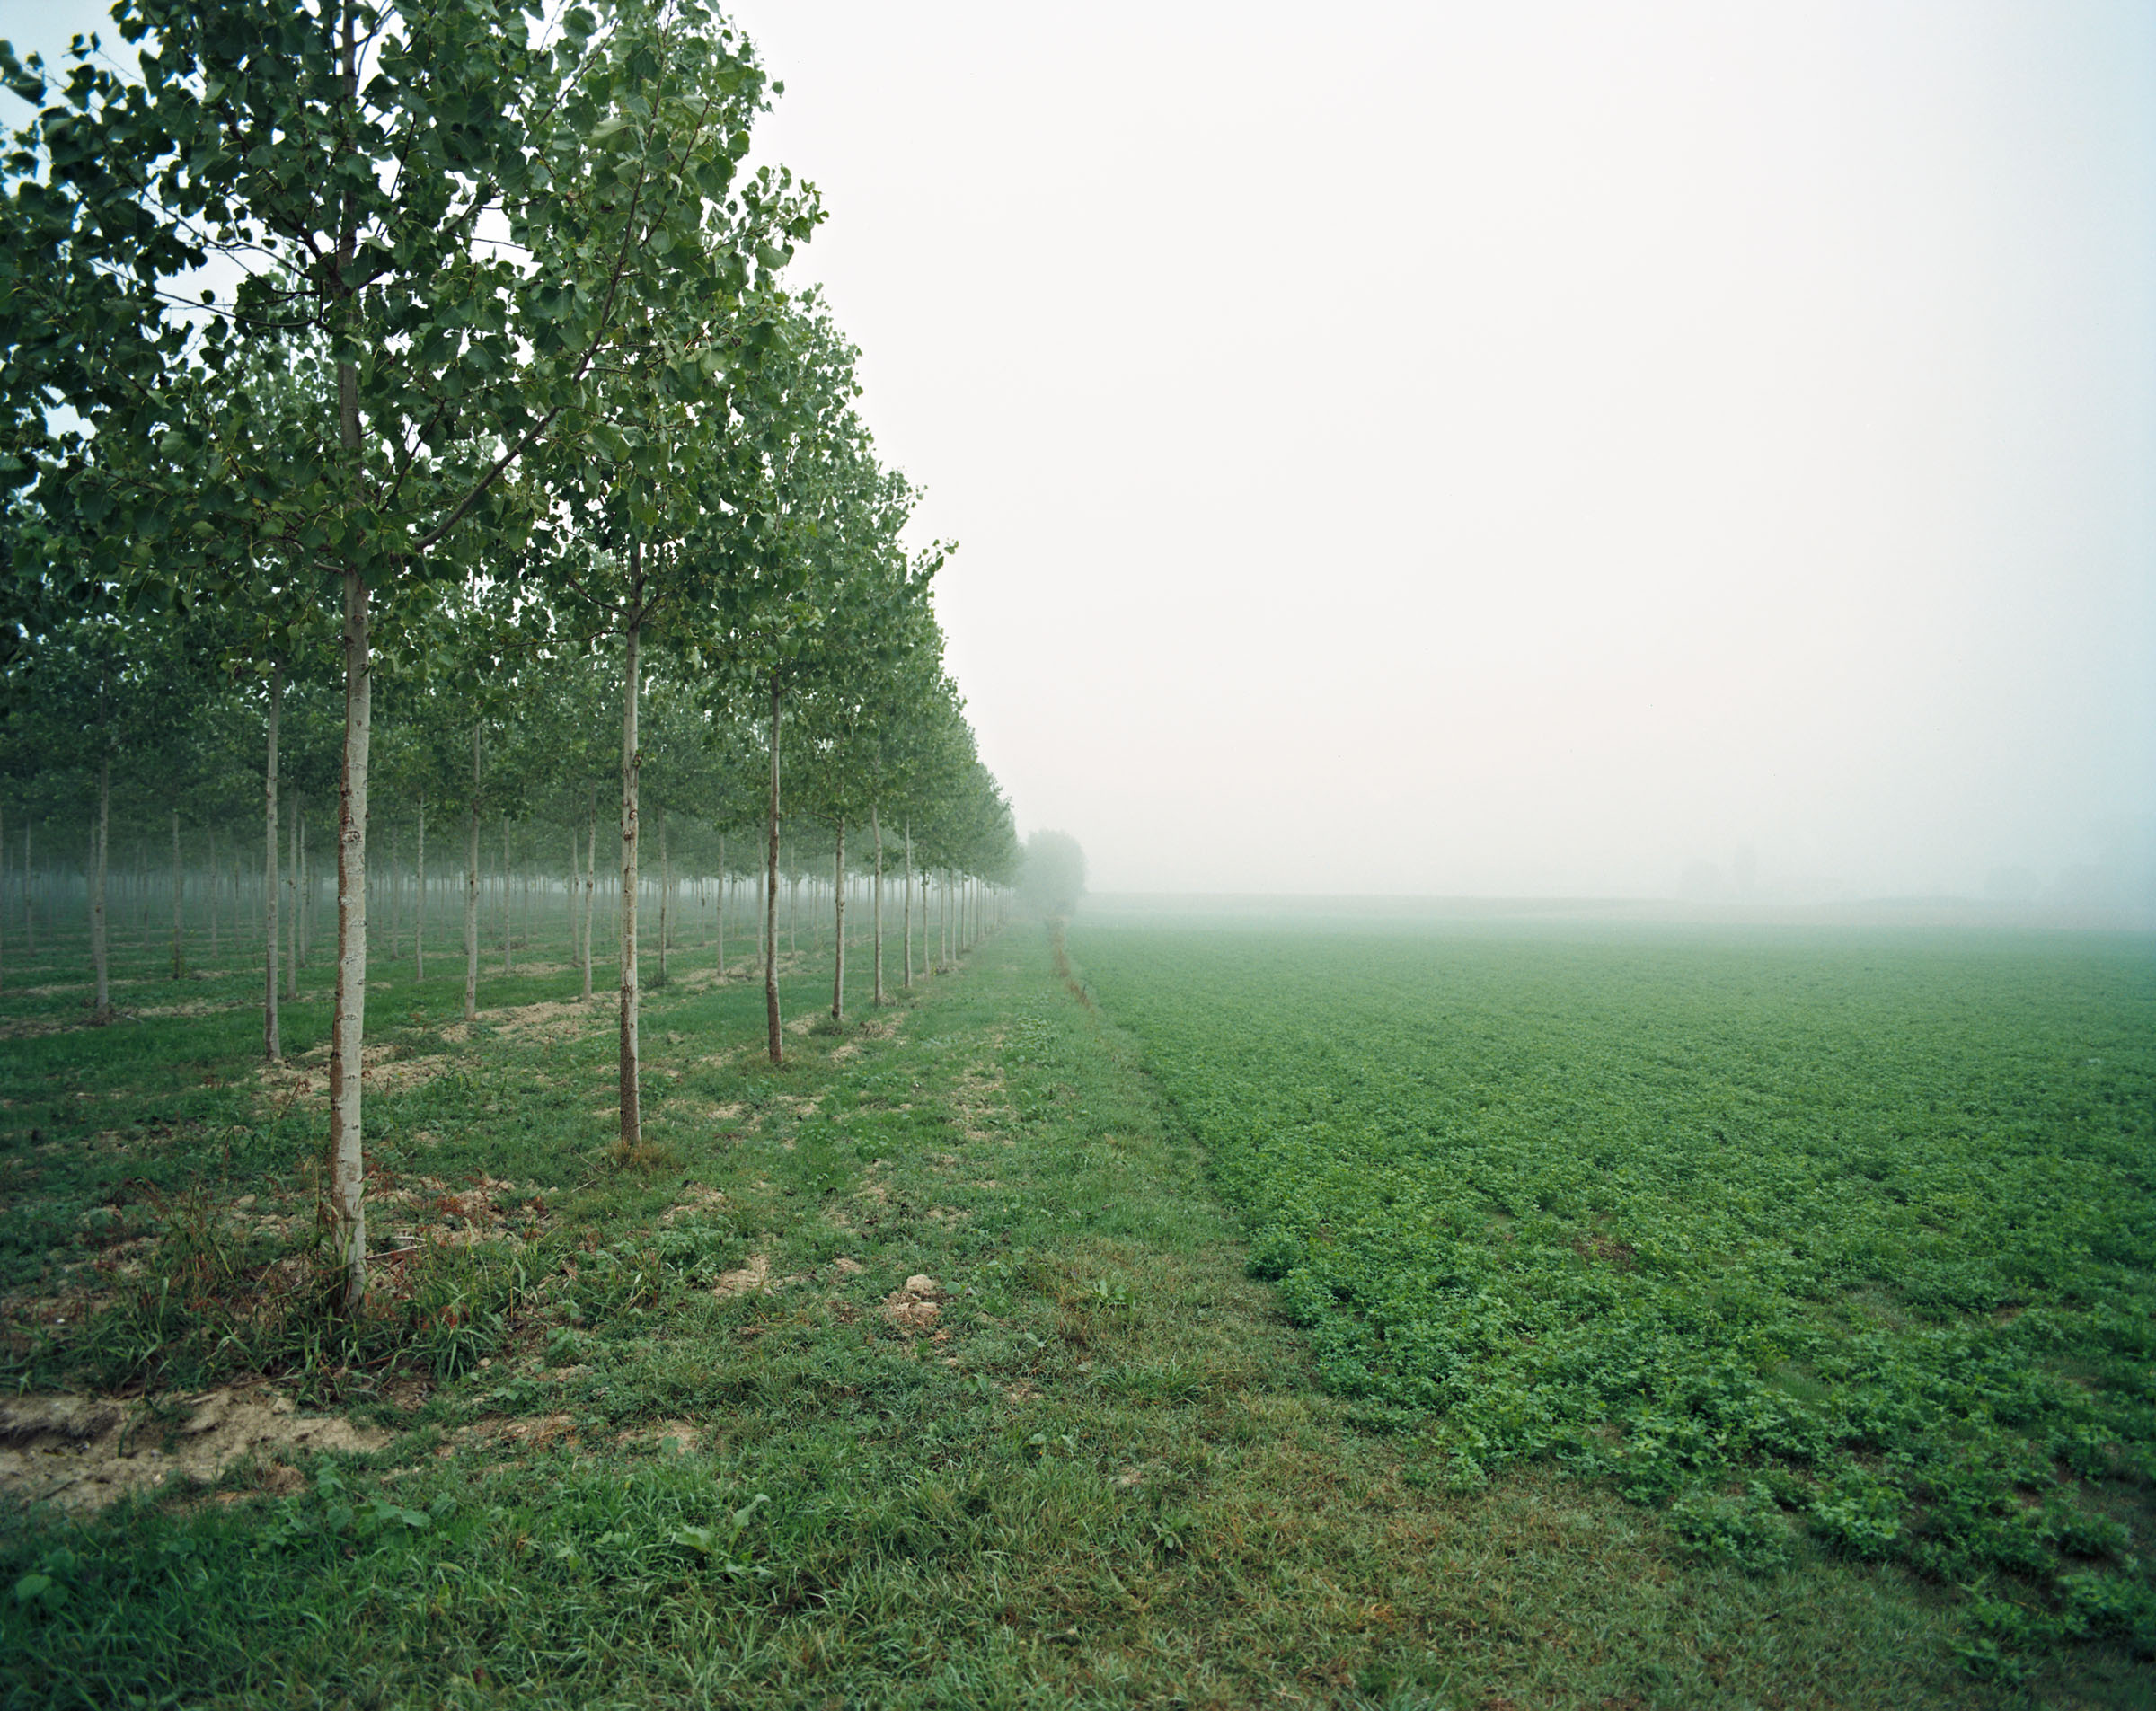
(1515, 448)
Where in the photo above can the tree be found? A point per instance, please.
(345, 157)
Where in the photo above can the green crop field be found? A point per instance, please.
(1840, 1241)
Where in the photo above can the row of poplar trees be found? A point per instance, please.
(449, 349)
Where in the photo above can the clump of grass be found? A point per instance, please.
(641, 1154)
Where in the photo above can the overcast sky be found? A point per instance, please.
(1523, 447)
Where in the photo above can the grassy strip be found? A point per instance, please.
(722, 1450)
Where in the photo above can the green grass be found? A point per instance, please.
(1841, 1235)
(1104, 1472)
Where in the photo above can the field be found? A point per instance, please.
(937, 1370)
(1838, 1240)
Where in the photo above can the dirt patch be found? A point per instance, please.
(681, 1437)
(464, 1217)
(979, 1106)
(882, 1031)
(534, 1431)
(304, 1081)
(752, 1279)
(549, 1019)
(698, 1200)
(79, 1452)
(915, 1306)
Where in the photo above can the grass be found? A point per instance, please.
(1774, 1231)
(927, 1371)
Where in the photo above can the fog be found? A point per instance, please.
(1533, 449)
(1523, 449)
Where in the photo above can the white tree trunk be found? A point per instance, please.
(632, 1115)
(876, 826)
(472, 892)
(419, 896)
(347, 1208)
(838, 922)
(103, 1012)
(508, 954)
(776, 1043)
(272, 1046)
(591, 884)
(178, 947)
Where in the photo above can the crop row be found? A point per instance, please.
(1850, 1234)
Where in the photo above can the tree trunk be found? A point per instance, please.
(348, 1209)
(771, 896)
(876, 826)
(472, 891)
(838, 923)
(30, 916)
(591, 884)
(307, 892)
(272, 1046)
(211, 890)
(633, 1116)
(508, 962)
(103, 1012)
(666, 896)
(179, 948)
(906, 973)
(292, 908)
(719, 915)
(419, 896)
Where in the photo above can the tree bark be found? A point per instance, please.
(508, 962)
(472, 892)
(718, 914)
(103, 1012)
(876, 826)
(210, 891)
(633, 1116)
(591, 884)
(273, 1046)
(419, 896)
(666, 896)
(179, 951)
(771, 896)
(905, 975)
(292, 908)
(347, 1208)
(303, 891)
(838, 923)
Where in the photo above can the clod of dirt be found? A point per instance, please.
(82, 1452)
(846, 1267)
(914, 1308)
(753, 1279)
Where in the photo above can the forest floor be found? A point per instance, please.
(925, 1370)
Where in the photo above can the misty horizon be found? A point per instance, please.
(1542, 451)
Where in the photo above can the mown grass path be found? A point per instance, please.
(927, 1372)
